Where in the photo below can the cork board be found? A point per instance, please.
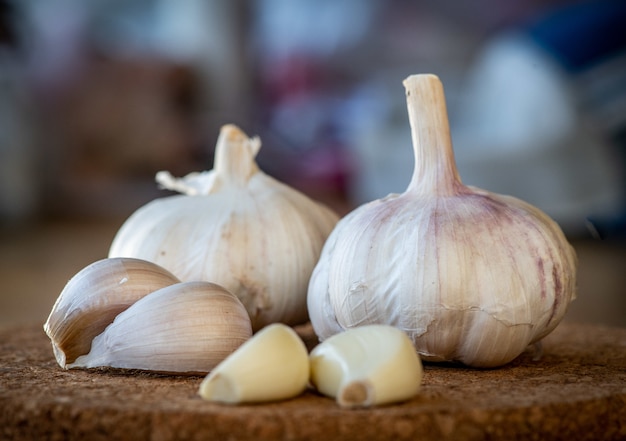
(577, 390)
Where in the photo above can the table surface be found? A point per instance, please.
(576, 390)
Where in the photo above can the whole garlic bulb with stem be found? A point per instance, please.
(469, 275)
(235, 226)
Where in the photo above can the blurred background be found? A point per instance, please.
(96, 97)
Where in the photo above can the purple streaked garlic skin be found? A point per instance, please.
(470, 276)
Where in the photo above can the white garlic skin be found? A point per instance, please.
(469, 275)
(186, 328)
(238, 227)
(92, 299)
(470, 289)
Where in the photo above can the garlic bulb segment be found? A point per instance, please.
(94, 297)
(367, 366)
(469, 275)
(187, 328)
(273, 365)
(235, 226)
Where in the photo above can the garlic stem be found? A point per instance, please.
(234, 155)
(435, 170)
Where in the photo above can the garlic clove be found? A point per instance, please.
(94, 297)
(235, 226)
(367, 366)
(273, 365)
(187, 328)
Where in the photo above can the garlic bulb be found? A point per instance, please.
(94, 296)
(273, 365)
(469, 275)
(367, 366)
(186, 328)
(235, 226)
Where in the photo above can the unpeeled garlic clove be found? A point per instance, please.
(367, 366)
(187, 328)
(273, 365)
(94, 297)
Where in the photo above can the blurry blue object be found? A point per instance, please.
(540, 115)
(316, 28)
(589, 41)
(583, 34)
(554, 95)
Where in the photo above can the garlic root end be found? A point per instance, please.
(220, 388)
(358, 393)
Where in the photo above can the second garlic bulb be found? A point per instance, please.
(235, 226)
(469, 275)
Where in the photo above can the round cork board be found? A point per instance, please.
(576, 390)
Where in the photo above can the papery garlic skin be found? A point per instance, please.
(367, 366)
(469, 275)
(235, 226)
(186, 328)
(92, 299)
(273, 365)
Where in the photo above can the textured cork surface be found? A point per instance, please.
(577, 390)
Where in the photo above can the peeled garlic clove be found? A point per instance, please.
(367, 366)
(187, 328)
(235, 226)
(94, 297)
(469, 275)
(273, 365)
